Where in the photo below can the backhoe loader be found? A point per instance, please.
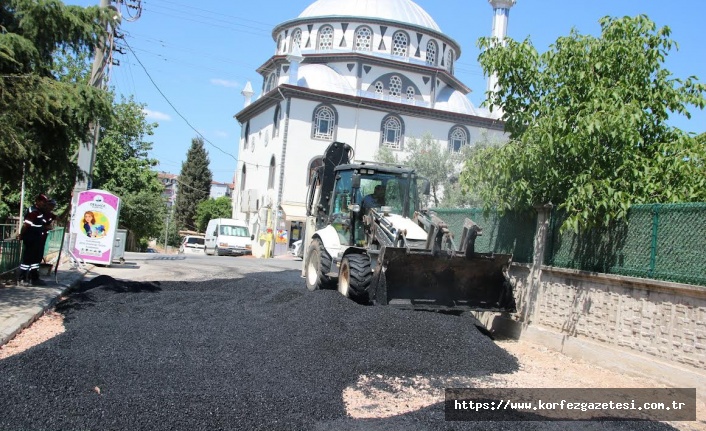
(367, 235)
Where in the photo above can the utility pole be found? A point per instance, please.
(166, 232)
(100, 75)
(87, 151)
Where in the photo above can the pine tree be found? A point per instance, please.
(194, 185)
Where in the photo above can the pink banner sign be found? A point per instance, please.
(95, 222)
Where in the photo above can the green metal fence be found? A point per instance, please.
(53, 243)
(9, 255)
(11, 250)
(664, 242)
(511, 233)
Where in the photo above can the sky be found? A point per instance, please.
(189, 61)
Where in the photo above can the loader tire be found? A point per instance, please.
(318, 265)
(355, 277)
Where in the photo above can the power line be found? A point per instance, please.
(174, 107)
(182, 116)
(234, 17)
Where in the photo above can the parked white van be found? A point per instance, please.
(226, 236)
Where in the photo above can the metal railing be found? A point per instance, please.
(9, 255)
(11, 250)
(8, 231)
(658, 241)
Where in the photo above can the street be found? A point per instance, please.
(189, 342)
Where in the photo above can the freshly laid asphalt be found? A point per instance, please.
(257, 352)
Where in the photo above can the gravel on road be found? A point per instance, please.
(248, 353)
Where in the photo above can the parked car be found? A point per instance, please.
(296, 249)
(192, 244)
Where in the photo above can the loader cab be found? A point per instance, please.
(359, 188)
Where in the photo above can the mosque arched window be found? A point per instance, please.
(271, 176)
(325, 38)
(363, 39)
(392, 129)
(458, 137)
(246, 135)
(271, 82)
(242, 179)
(279, 44)
(395, 85)
(324, 123)
(275, 120)
(450, 61)
(296, 39)
(313, 165)
(431, 51)
(400, 43)
(379, 88)
(410, 93)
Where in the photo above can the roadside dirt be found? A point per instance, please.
(48, 326)
(378, 396)
(539, 368)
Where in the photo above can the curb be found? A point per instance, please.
(19, 323)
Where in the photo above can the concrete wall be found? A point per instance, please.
(637, 326)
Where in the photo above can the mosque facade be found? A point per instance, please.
(370, 73)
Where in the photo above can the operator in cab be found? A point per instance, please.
(374, 200)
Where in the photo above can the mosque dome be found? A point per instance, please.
(389, 10)
(452, 100)
(322, 77)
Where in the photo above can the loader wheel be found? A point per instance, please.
(354, 278)
(318, 264)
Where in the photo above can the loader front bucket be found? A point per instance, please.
(419, 280)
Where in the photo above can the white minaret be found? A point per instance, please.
(501, 13)
(247, 93)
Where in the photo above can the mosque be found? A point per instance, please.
(370, 73)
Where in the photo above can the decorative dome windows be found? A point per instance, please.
(432, 49)
(271, 82)
(363, 39)
(411, 94)
(400, 44)
(450, 61)
(325, 38)
(379, 88)
(296, 39)
(395, 86)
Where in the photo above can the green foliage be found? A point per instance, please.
(123, 167)
(41, 117)
(386, 155)
(440, 166)
(171, 230)
(194, 185)
(588, 123)
(212, 208)
(432, 162)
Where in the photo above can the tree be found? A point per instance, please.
(212, 208)
(588, 125)
(123, 167)
(440, 166)
(43, 117)
(194, 185)
(432, 162)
